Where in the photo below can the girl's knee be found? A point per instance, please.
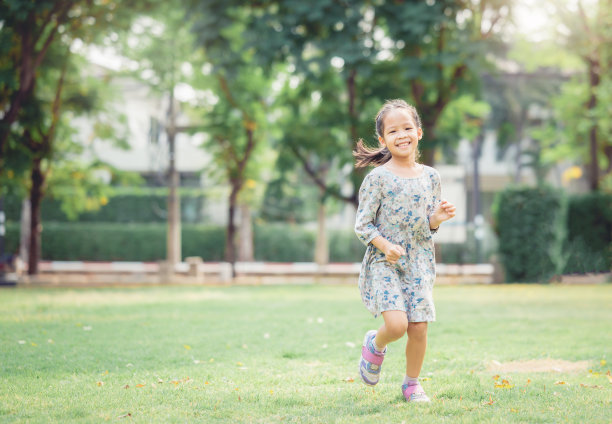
(417, 330)
(396, 328)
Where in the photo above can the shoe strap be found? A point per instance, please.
(372, 357)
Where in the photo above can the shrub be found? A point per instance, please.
(530, 223)
(589, 238)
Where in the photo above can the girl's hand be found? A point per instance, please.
(393, 252)
(443, 212)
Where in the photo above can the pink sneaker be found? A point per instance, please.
(371, 360)
(414, 393)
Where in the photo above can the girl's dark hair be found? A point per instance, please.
(364, 155)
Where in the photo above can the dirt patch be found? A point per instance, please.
(538, 365)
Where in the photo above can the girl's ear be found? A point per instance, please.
(420, 132)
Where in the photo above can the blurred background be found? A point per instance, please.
(148, 130)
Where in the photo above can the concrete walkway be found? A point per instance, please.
(194, 271)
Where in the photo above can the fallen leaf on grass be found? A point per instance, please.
(561, 383)
(33, 344)
(141, 385)
(425, 378)
(591, 387)
(602, 362)
(240, 364)
(349, 380)
(50, 341)
(490, 402)
(528, 381)
(271, 392)
(505, 384)
(105, 373)
(513, 410)
(127, 386)
(187, 347)
(211, 360)
(496, 377)
(100, 383)
(124, 415)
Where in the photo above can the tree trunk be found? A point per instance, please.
(230, 237)
(245, 238)
(36, 193)
(24, 239)
(173, 238)
(427, 152)
(321, 254)
(594, 79)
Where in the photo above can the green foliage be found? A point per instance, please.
(129, 241)
(530, 224)
(121, 205)
(589, 237)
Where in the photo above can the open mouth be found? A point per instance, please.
(404, 144)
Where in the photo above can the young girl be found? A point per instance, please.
(399, 210)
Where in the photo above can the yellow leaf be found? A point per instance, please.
(239, 364)
(513, 410)
(602, 362)
(206, 382)
(187, 347)
(33, 344)
(211, 360)
(100, 383)
(560, 383)
(528, 381)
(140, 385)
(496, 377)
(105, 373)
(271, 392)
(505, 384)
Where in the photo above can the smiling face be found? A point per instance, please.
(400, 134)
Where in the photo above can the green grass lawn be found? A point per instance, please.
(290, 353)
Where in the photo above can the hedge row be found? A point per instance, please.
(147, 242)
(141, 205)
(543, 233)
(589, 233)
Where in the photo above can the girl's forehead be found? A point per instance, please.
(398, 116)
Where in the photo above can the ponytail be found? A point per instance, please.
(365, 156)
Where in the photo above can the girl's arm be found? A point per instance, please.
(370, 195)
(441, 210)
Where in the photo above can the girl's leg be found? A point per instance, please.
(394, 327)
(415, 348)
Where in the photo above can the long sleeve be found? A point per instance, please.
(370, 195)
(436, 195)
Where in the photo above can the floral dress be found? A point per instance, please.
(398, 208)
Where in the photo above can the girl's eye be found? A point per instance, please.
(391, 132)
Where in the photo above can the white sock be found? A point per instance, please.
(410, 381)
(376, 346)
